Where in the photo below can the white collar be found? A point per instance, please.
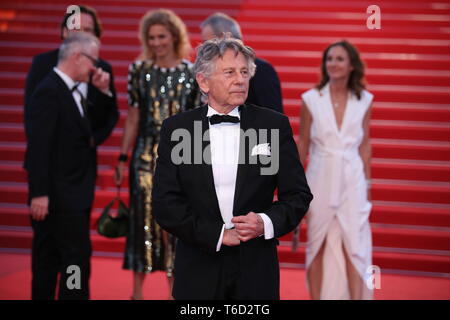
(67, 80)
(234, 112)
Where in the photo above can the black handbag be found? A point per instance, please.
(117, 225)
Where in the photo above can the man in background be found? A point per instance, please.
(265, 88)
(61, 169)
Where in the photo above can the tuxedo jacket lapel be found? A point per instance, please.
(246, 123)
(206, 166)
(72, 106)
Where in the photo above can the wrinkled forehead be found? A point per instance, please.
(232, 58)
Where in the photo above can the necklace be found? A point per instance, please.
(334, 101)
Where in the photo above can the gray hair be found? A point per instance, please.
(210, 50)
(76, 42)
(221, 23)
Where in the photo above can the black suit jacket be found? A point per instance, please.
(186, 205)
(265, 87)
(102, 110)
(61, 160)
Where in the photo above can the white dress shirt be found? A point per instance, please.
(82, 87)
(224, 141)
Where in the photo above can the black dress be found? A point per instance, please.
(158, 93)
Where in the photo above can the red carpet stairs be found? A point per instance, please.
(408, 70)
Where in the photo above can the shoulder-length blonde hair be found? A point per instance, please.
(173, 23)
(356, 82)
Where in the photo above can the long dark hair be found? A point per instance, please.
(356, 81)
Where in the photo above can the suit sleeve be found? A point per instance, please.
(37, 72)
(294, 194)
(43, 124)
(266, 88)
(104, 114)
(171, 206)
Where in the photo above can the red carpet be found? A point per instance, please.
(408, 70)
(110, 282)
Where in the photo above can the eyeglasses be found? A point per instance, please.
(94, 61)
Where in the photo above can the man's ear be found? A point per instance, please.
(76, 57)
(202, 82)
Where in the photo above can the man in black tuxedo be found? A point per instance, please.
(217, 170)
(61, 158)
(103, 115)
(265, 87)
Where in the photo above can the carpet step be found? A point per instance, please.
(383, 213)
(379, 129)
(410, 149)
(418, 77)
(388, 129)
(389, 111)
(23, 240)
(385, 260)
(14, 114)
(398, 236)
(290, 90)
(15, 133)
(394, 93)
(381, 148)
(386, 190)
(285, 42)
(380, 111)
(17, 67)
(381, 169)
(276, 57)
(397, 190)
(10, 77)
(436, 95)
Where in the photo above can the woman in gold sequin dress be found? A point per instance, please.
(160, 84)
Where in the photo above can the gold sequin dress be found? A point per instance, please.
(158, 93)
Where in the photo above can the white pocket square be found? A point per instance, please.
(262, 149)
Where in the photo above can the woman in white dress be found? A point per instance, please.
(335, 130)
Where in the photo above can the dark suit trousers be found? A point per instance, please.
(228, 284)
(60, 241)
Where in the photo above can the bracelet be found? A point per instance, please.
(123, 157)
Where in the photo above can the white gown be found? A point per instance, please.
(340, 209)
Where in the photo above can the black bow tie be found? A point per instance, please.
(217, 118)
(75, 87)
